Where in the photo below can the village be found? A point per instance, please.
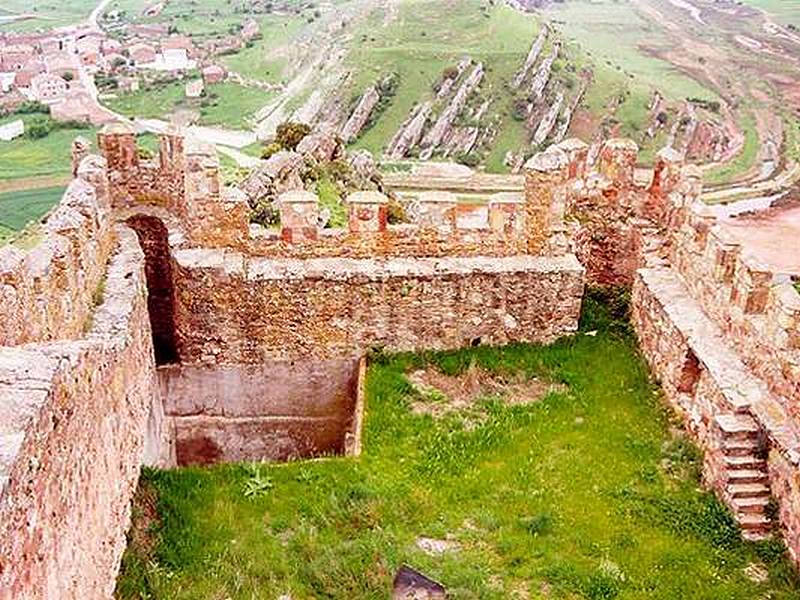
(60, 69)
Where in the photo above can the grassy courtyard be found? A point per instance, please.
(589, 492)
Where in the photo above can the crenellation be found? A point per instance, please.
(368, 212)
(167, 322)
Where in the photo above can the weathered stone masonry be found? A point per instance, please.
(719, 330)
(153, 324)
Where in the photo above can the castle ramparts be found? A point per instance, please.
(154, 324)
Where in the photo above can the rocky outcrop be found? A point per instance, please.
(569, 111)
(360, 116)
(441, 128)
(542, 77)
(533, 56)
(546, 124)
(281, 173)
(410, 132)
(323, 145)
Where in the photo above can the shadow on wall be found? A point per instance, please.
(154, 240)
(275, 411)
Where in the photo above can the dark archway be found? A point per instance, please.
(690, 374)
(154, 240)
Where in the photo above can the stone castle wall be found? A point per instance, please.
(720, 331)
(259, 334)
(72, 434)
(48, 293)
(247, 298)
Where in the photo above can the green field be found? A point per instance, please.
(19, 209)
(51, 13)
(787, 12)
(254, 61)
(50, 156)
(589, 493)
(227, 104)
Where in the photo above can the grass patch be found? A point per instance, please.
(49, 156)
(585, 494)
(744, 161)
(18, 209)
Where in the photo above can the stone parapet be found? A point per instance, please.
(263, 309)
(704, 376)
(47, 293)
(73, 416)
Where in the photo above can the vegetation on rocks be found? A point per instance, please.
(590, 492)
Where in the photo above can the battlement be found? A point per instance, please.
(48, 292)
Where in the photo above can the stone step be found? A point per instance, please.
(755, 505)
(756, 535)
(745, 461)
(735, 476)
(734, 447)
(747, 490)
(754, 526)
(737, 426)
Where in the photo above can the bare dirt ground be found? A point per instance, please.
(772, 236)
(440, 395)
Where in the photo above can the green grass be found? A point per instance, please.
(232, 105)
(17, 209)
(52, 13)
(254, 61)
(420, 44)
(745, 160)
(49, 156)
(786, 11)
(586, 494)
(611, 32)
(225, 104)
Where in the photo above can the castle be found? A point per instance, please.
(153, 324)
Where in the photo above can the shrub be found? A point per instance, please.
(30, 107)
(270, 149)
(290, 134)
(38, 128)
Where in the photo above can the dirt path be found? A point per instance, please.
(770, 236)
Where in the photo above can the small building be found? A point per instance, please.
(176, 59)
(128, 84)
(214, 74)
(250, 30)
(12, 130)
(7, 81)
(23, 79)
(47, 87)
(62, 63)
(142, 54)
(13, 61)
(194, 88)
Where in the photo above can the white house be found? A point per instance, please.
(12, 130)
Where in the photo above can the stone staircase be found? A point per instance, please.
(745, 474)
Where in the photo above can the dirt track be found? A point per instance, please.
(773, 237)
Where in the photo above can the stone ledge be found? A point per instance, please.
(342, 268)
(740, 389)
(743, 390)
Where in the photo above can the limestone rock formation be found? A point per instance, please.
(445, 121)
(281, 173)
(360, 116)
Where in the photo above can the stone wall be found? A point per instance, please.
(233, 309)
(72, 427)
(279, 410)
(48, 293)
